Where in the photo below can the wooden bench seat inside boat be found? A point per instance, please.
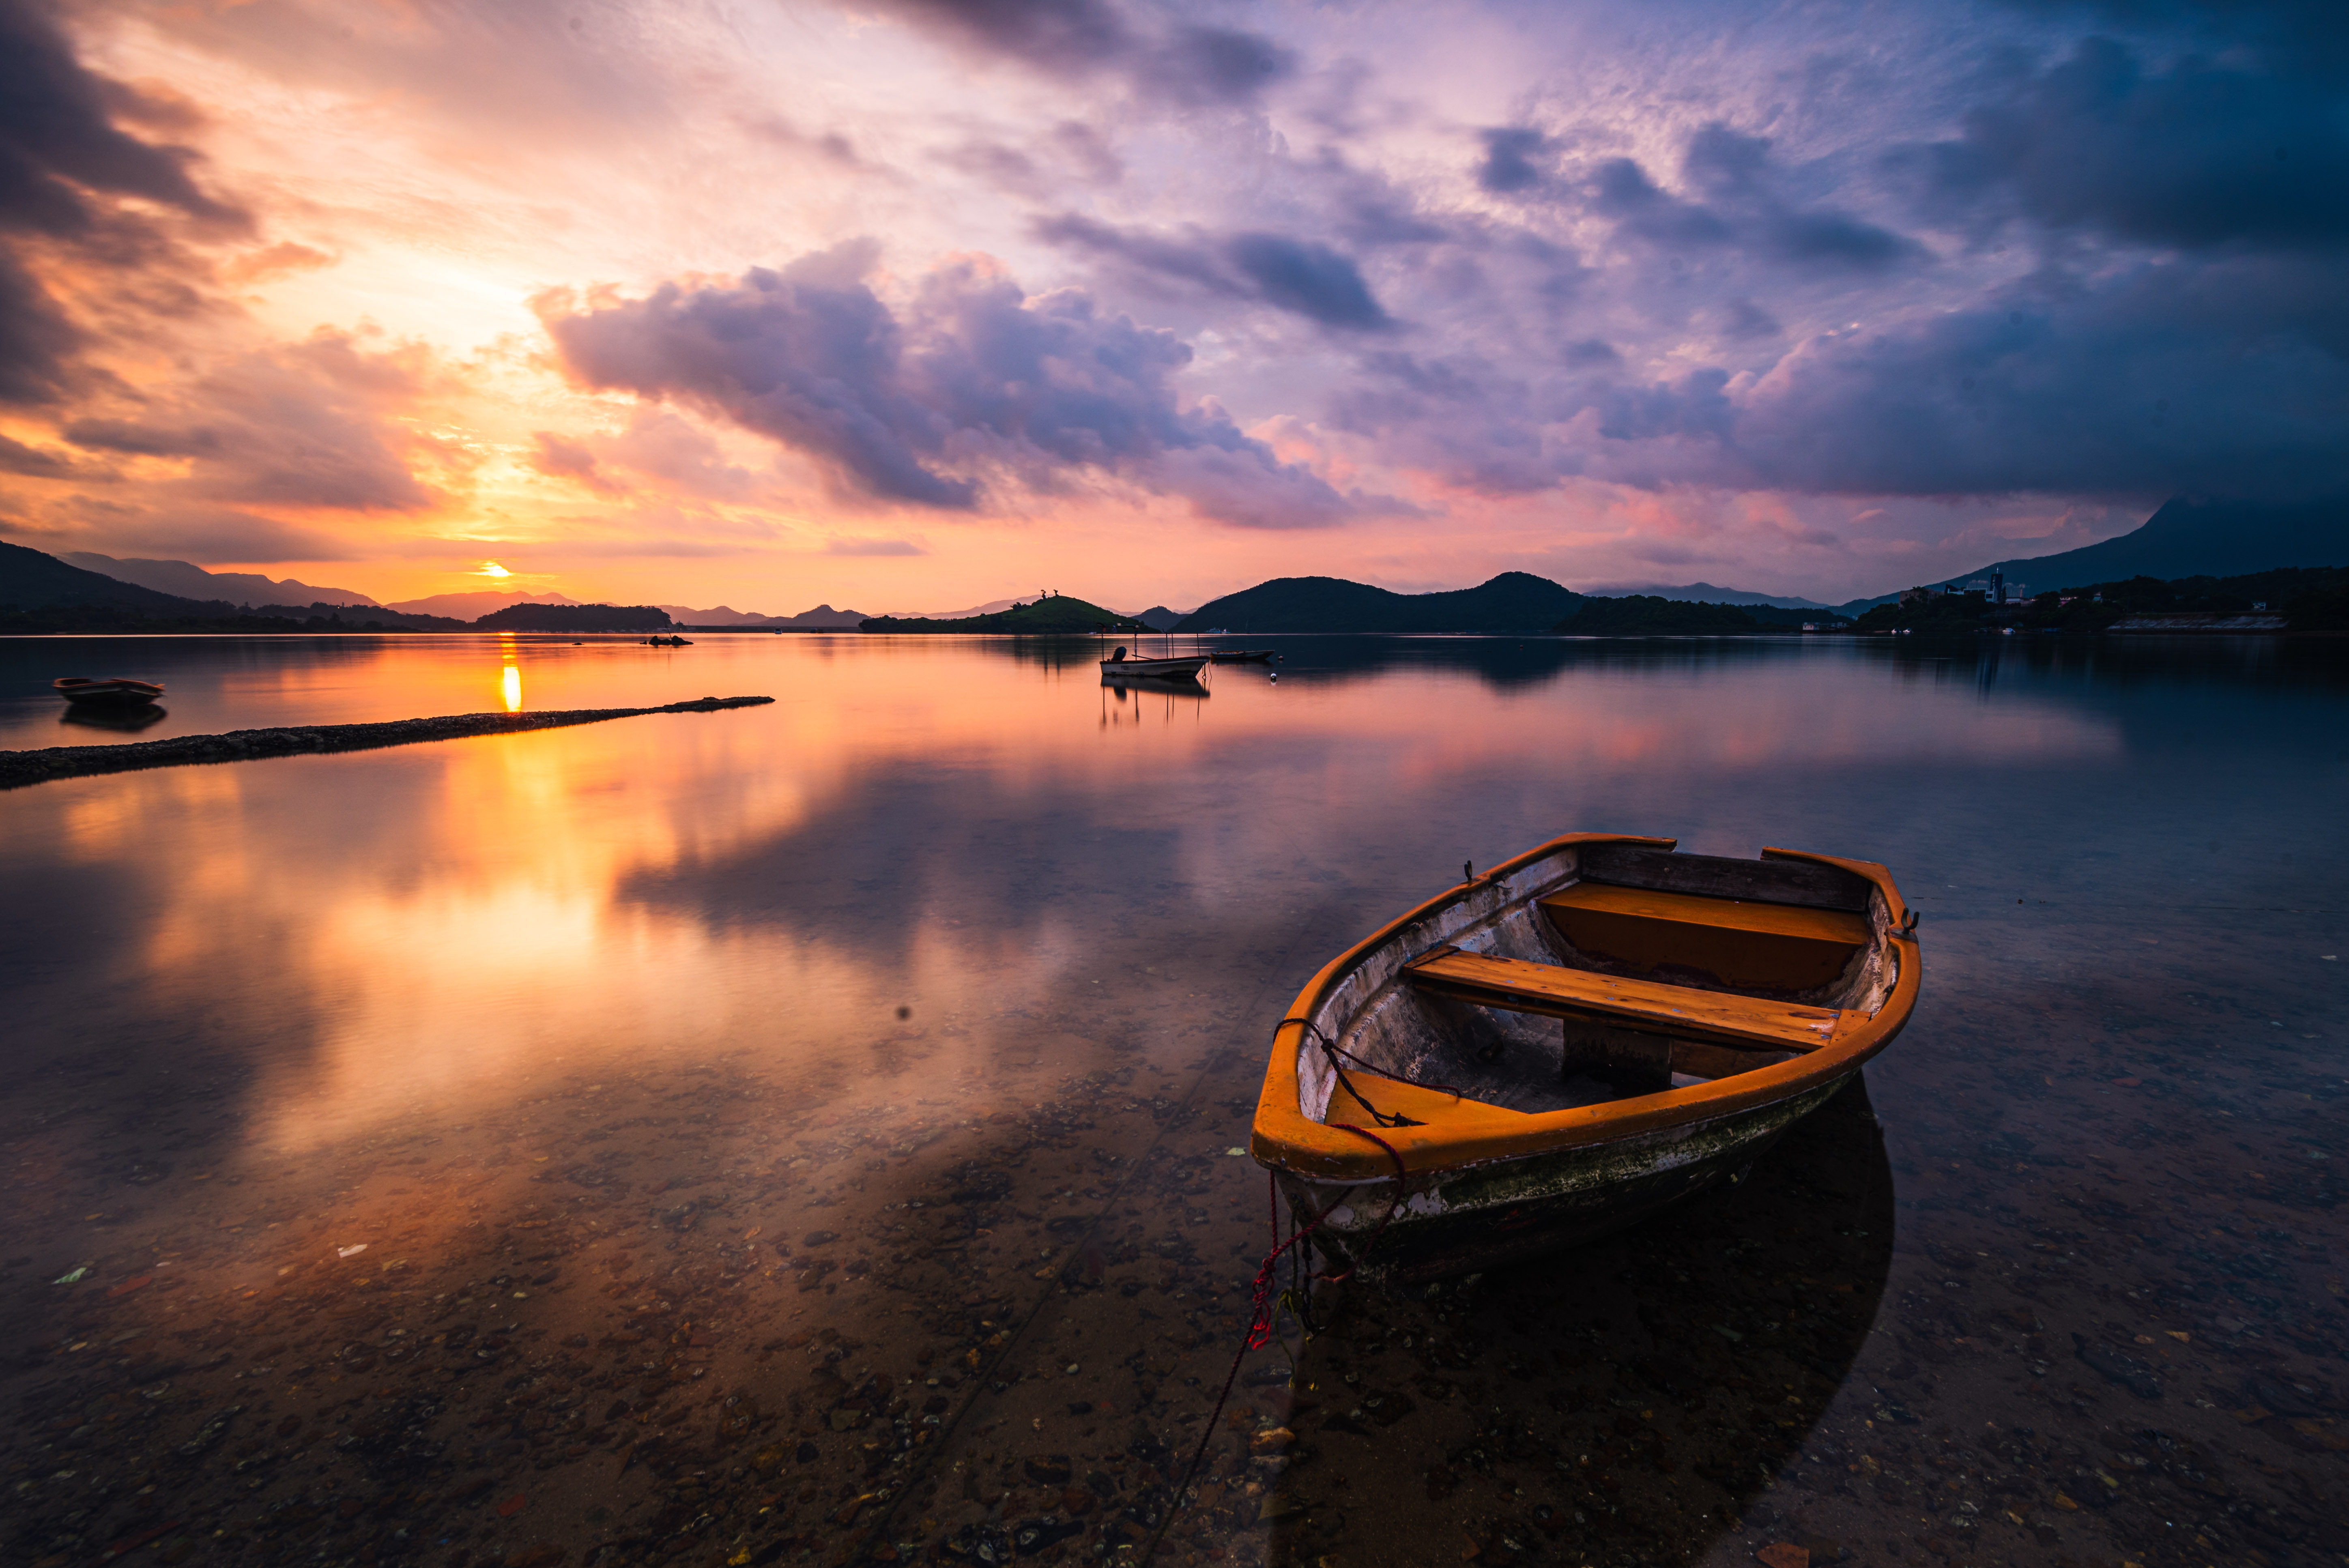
(1554, 991)
(1738, 943)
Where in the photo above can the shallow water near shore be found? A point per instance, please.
(806, 1133)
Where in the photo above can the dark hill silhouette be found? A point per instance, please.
(32, 580)
(40, 593)
(1056, 615)
(1513, 601)
(575, 618)
(2193, 539)
(188, 580)
(360, 618)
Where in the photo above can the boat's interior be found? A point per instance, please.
(1619, 970)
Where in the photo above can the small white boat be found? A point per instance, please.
(1187, 668)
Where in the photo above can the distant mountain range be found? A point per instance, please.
(1158, 617)
(1707, 594)
(823, 618)
(183, 580)
(1059, 615)
(2188, 538)
(992, 607)
(1513, 601)
(183, 589)
(53, 595)
(2184, 538)
(474, 605)
(31, 580)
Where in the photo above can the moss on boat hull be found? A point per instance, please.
(1504, 1210)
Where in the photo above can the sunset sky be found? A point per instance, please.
(912, 304)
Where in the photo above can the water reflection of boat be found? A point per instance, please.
(1634, 1398)
(125, 720)
(114, 691)
(1118, 664)
(1707, 1005)
(1173, 686)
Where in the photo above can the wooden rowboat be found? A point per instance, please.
(118, 691)
(1573, 1040)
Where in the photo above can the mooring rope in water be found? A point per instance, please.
(1261, 1305)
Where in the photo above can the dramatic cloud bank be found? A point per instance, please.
(910, 303)
(975, 392)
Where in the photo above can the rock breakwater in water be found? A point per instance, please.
(19, 768)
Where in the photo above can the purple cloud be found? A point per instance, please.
(967, 386)
(1301, 277)
(1185, 64)
(63, 165)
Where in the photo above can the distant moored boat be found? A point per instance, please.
(1186, 668)
(114, 691)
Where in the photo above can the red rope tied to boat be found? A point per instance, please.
(1260, 1303)
(1402, 1184)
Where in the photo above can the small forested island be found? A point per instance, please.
(1513, 601)
(575, 618)
(1052, 615)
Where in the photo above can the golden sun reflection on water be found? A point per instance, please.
(427, 924)
(510, 902)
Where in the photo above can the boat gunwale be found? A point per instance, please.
(71, 687)
(1190, 663)
(1284, 1139)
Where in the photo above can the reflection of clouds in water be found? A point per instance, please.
(523, 1009)
(918, 821)
(472, 934)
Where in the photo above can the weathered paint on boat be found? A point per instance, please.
(1500, 1187)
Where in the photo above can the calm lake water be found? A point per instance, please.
(808, 1133)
